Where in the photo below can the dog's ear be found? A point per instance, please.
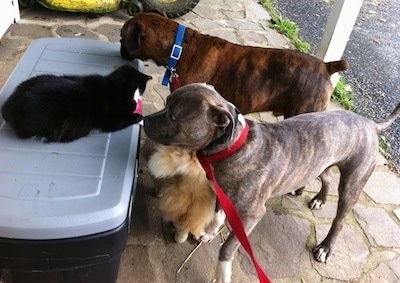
(222, 118)
(135, 34)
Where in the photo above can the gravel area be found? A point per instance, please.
(372, 51)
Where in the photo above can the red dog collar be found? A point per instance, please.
(223, 154)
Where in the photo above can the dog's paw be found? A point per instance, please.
(321, 253)
(220, 281)
(181, 236)
(316, 204)
(213, 227)
(207, 237)
(297, 192)
(224, 272)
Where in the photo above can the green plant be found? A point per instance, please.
(344, 94)
(286, 27)
(384, 146)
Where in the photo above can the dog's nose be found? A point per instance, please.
(149, 127)
(154, 131)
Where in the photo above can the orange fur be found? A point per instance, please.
(187, 197)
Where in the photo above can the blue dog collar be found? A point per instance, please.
(175, 54)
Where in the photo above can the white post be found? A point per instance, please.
(17, 15)
(9, 14)
(337, 31)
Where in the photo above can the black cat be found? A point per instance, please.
(65, 108)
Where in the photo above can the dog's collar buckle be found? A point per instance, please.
(175, 55)
(176, 52)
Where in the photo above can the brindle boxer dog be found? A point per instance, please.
(275, 159)
(255, 79)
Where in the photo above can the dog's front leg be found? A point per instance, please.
(229, 248)
(224, 272)
(350, 187)
(226, 255)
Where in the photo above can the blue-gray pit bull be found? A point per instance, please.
(276, 158)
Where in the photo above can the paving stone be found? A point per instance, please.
(229, 5)
(252, 38)
(315, 185)
(374, 221)
(328, 210)
(386, 272)
(11, 50)
(397, 213)
(348, 257)
(234, 14)
(245, 25)
(134, 270)
(277, 40)
(295, 202)
(268, 117)
(32, 32)
(112, 32)
(152, 69)
(255, 11)
(395, 267)
(119, 15)
(383, 187)
(278, 241)
(200, 267)
(204, 26)
(228, 35)
(208, 12)
(75, 31)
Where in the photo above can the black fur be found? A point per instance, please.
(65, 108)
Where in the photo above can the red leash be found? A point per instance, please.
(231, 213)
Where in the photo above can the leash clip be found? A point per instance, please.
(174, 79)
(174, 74)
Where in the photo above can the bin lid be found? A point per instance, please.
(63, 190)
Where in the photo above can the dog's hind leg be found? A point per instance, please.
(229, 248)
(327, 181)
(351, 184)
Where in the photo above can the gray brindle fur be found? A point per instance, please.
(276, 158)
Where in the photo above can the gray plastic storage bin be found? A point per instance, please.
(65, 208)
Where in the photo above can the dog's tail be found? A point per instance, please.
(336, 66)
(389, 120)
